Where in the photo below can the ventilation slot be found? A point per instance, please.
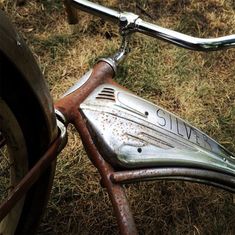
(106, 94)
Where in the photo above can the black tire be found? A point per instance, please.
(27, 122)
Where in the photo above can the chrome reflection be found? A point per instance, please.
(132, 132)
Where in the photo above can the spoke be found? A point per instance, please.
(5, 171)
(2, 140)
(5, 168)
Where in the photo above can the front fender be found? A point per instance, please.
(13, 47)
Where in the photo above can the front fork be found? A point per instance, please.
(69, 111)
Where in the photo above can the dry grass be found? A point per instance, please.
(199, 87)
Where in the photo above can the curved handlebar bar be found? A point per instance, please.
(186, 41)
(132, 22)
(96, 9)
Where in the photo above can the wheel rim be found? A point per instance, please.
(13, 165)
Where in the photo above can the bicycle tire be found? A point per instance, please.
(27, 102)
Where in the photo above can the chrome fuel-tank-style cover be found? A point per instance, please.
(131, 132)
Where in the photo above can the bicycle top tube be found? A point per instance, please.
(133, 23)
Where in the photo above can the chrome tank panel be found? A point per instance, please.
(131, 132)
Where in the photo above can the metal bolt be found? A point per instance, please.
(123, 21)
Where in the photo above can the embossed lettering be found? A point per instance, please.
(206, 139)
(161, 117)
(177, 126)
(197, 137)
(170, 122)
(182, 129)
(188, 131)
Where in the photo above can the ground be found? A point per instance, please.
(197, 86)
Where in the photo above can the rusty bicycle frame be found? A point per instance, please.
(68, 112)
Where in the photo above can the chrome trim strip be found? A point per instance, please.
(63, 134)
(78, 84)
(60, 116)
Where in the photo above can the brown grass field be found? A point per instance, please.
(199, 87)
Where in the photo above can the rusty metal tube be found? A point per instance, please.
(31, 177)
(69, 106)
(210, 177)
(116, 193)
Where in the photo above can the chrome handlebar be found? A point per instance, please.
(130, 22)
(186, 41)
(96, 9)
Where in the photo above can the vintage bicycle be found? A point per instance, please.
(127, 138)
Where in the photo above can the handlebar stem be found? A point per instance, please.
(114, 60)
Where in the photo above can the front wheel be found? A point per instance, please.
(27, 127)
